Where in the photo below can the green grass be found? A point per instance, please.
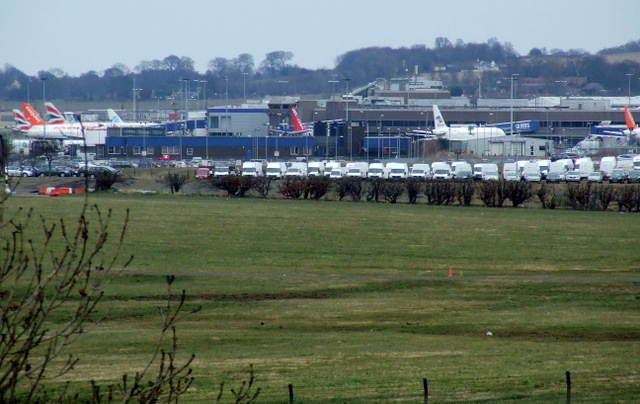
(350, 302)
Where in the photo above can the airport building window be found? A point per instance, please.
(112, 150)
(137, 150)
(170, 150)
(150, 151)
(189, 151)
(294, 151)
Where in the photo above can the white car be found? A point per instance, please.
(19, 172)
(595, 176)
(572, 176)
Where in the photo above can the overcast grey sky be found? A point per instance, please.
(95, 35)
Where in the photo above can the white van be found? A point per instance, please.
(398, 170)
(296, 169)
(607, 164)
(421, 170)
(441, 171)
(357, 169)
(252, 169)
(276, 170)
(461, 169)
(585, 166)
(490, 172)
(531, 172)
(378, 170)
(315, 169)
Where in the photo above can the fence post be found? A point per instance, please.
(426, 390)
(568, 387)
(290, 393)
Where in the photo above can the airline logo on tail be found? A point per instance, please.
(32, 115)
(54, 116)
(631, 124)
(439, 123)
(297, 123)
(21, 121)
(114, 117)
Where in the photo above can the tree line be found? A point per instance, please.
(240, 77)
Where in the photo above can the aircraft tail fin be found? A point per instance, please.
(114, 117)
(53, 115)
(21, 121)
(297, 123)
(438, 121)
(631, 124)
(32, 115)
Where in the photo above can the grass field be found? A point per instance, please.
(351, 302)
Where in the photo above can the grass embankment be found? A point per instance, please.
(350, 302)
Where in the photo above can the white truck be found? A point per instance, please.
(441, 171)
(397, 171)
(252, 169)
(276, 170)
(490, 172)
(357, 169)
(315, 169)
(297, 169)
(378, 170)
(421, 170)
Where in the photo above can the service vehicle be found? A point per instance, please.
(421, 170)
(276, 169)
(441, 171)
(397, 170)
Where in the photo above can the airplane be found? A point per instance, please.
(36, 127)
(21, 121)
(299, 129)
(54, 116)
(116, 121)
(298, 126)
(632, 128)
(461, 132)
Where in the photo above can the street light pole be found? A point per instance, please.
(347, 80)
(44, 127)
(629, 75)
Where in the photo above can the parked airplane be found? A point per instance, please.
(54, 117)
(298, 127)
(116, 121)
(632, 128)
(37, 128)
(461, 132)
(21, 121)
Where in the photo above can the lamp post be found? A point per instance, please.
(44, 127)
(135, 90)
(204, 92)
(226, 105)
(347, 80)
(333, 83)
(283, 82)
(629, 75)
(379, 134)
(244, 86)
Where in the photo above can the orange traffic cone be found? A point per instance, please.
(450, 272)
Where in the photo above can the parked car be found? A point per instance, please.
(15, 171)
(633, 176)
(595, 176)
(555, 176)
(94, 171)
(617, 175)
(61, 171)
(572, 176)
